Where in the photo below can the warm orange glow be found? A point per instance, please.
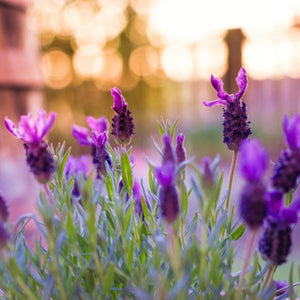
(177, 62)
(56, 67)
(143, 61)
(88, 61)
(187, 33)
(111, 72)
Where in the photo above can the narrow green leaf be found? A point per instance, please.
(145, 209)
(126, 172)
(108, 278)
(239, 232)
(160, 128)
(130, 256)
(109, 188)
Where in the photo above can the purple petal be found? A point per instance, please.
(215, 103)
(241, 80)
(253, 160)
(289, 215)
(275, 201)
(29, 129)
(217, 83)
(99, 125)
(46, 124)
(11, 127)
(77, 165)
(99, 139)
(81, 134)
(119, 101)
(291, 131)
(165, 174)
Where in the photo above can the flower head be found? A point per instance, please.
(253, 160)
(122, 122)
(165, 174)
(223, 97)
(235, 124)
(31, 130)
(291, 131)
(180, 151)
(98, 125)
(100, 153)
(82, 134)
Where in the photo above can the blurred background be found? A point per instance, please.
(66, 55)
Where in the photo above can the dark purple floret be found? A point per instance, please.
(235, 124)
(286, 170)
(275, 243)
(122, 122)
(169, 203)
(4, 235)
(253, 206)
(180, 151)
(4, 212)
(40, 161)
(100, 154)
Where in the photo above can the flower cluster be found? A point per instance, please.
(260, 205)
(111, 236)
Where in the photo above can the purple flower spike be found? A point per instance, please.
(165, 174)
(253, 160)
(180, 151)
(291, 131)
(236, 126)
(287, 168)
(30, 130)
(122, 122)
(99, 125)
(100, 153)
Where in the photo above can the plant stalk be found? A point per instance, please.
(246, 263)
(231, 174)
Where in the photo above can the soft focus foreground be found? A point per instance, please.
(102, 233)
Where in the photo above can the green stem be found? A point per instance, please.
(232, 169)
(98, 267)
(55, 268)
(269, 275)
(25, 288)
(203, 253)
(246, 263)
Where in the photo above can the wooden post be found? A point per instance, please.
(234, 39)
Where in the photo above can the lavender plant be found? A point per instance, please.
(104, 234)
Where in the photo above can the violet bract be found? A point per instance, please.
(32, 132)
